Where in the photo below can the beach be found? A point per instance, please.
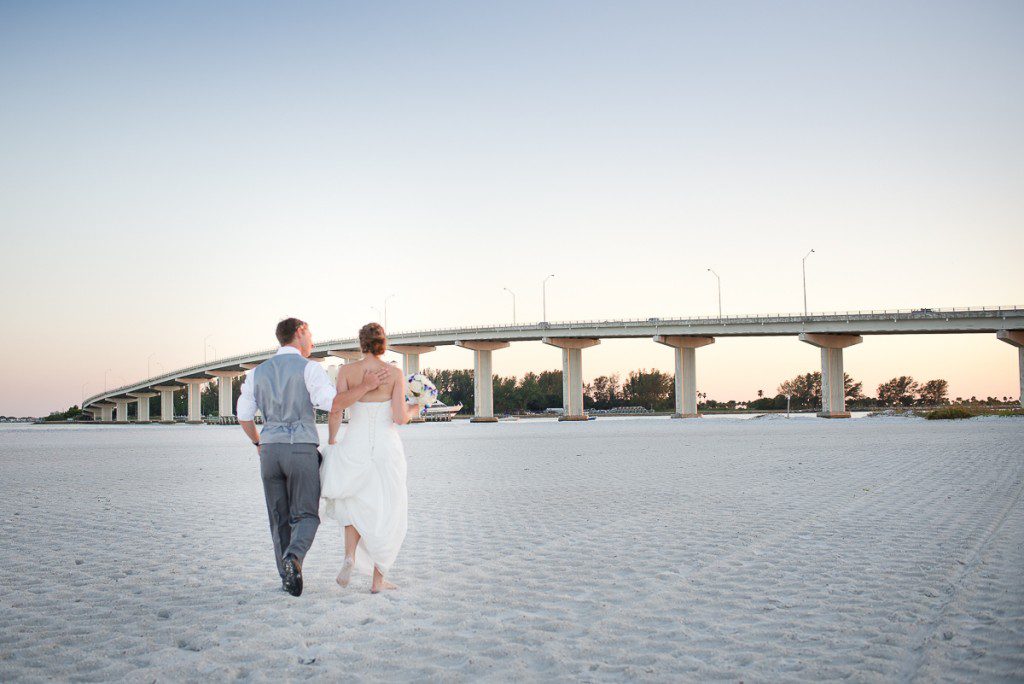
(626, 548)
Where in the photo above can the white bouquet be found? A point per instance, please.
(421, 391)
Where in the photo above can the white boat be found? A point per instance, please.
(439, 411)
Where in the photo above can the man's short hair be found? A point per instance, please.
(286, 330)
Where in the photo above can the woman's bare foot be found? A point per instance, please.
(382, 585)
(345, 576)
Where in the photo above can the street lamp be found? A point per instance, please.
(379, 316)
(719, 293)
(214, 350)
(205, 339)
(513, 304)
(83, 394)
(544, 296)
(386, 310)
(149, 365)
(805, 280)
(105, 378)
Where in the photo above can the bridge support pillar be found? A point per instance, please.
(411, 362)
(195, 398)
(142, 414)
(411, 356)
(1016, 338)
(167, 402)
(347, 356)
(572, 373)
(565, 380)
(225, 391)
(106, 412)
(686, 370)
(483, 378)
(122, 409)
(833, 379)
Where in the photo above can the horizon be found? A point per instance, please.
(178, 178)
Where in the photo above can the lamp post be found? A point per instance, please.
(544, 296)
(386, 310)
(214, 350)
(805, 280)
(83, 394)
(513, 304)
(149, 365)
(379, 316)
(205, 340)
(719, 293)
(105, 378)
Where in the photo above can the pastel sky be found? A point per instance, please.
(170, 171)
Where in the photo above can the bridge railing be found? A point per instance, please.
(742, 318)
(922, 313)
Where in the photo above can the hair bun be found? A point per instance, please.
(372, 339)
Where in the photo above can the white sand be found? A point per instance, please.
(876, 549)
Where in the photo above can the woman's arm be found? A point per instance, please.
(334, 419)
(401, 411)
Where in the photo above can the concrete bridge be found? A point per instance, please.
(831, 332)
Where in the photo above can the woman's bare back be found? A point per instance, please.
(352, 374)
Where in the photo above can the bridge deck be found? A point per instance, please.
(884, 322)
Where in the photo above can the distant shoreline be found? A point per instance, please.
(908, 412)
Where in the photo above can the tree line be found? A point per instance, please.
(804, 391)
(655, 390)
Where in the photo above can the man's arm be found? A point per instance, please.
(345, 398)
(335, 418)
(327, 398)
(371, 381)
(249, 428)
(246, 411)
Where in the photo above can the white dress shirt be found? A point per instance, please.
(321, 391)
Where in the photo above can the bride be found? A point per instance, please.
(363, 476)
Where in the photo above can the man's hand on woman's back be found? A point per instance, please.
(372, 379)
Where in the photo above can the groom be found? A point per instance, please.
(286, 388)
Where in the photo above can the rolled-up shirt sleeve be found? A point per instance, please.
(246, 408)
(321, 390)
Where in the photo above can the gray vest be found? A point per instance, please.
(279, 385)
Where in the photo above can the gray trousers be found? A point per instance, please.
(291, 482)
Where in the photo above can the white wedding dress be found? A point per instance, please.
(362, 483)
